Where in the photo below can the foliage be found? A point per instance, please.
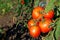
(57, 33)
(24, 11)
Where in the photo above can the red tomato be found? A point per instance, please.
(49, 15)
(36, 14)
(22, 2)
(44, 25)
(34, 31)
(31, 23)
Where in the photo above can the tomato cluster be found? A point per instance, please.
(40, 22)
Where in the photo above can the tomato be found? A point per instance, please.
(36, 13)
(22, 2)
(34, 31)
(49, 15)
(44, 25)
(31, 22)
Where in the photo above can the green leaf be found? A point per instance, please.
(5, 6)
(50, 36)
(27, 2)
(57, 3)
(59, 8)
(57, 13)
(1, 30)
(36, 3)
(57, 32)
(50, 5)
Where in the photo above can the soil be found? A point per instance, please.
(7, 20)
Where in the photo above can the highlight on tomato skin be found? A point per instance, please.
(36, 13)
(31, 22)
(49, 15)
(34, 31)
(44, 26)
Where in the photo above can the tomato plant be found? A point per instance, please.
(36, 14)
(49, 15)
(17, 17)
(34, 31)
(44, 25)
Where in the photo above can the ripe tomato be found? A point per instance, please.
(49, 15)
(22, 2)
(36, 14)
(34, 31)
(31, 22)
(44, 25)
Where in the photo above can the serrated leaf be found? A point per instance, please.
(57, 32)
(50, 5)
